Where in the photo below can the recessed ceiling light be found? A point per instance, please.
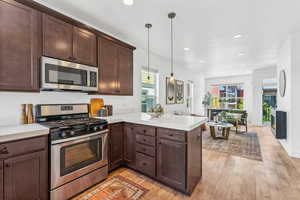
(186, 49)
(201, 61)
(128, 2)
(241, 53)
(237, 36)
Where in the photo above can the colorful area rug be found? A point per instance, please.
(116, 188)
(245, 145)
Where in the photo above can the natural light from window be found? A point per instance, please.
(149, 90)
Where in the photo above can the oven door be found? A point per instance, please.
(58, 74)
(76, 157)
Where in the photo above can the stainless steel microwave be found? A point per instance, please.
(62, 75)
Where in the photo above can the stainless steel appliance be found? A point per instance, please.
(62, 75)
(78, 148)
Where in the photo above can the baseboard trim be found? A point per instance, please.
(284, 144)
(295, 155)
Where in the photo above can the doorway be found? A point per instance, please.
(269, 99)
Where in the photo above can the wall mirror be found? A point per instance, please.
(282, 83)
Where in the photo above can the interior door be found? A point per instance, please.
(57, 38)
(84, 47)
(108, 66)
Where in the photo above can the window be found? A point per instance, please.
(149, 90)
(227, 96)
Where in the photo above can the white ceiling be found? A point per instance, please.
(207, 27)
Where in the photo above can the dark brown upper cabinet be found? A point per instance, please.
(84, 46)
(125, 75)
(115, 64)
(108, 66)
(57, 38)
(67, 42)
(20, 47)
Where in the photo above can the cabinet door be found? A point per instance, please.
(171, 163)
(108, 66)
(25, 177)
(84, 47)
(20, 47)
(1, 180)
(129, 145)
(116, 146)
(57, 38)
(125, 71)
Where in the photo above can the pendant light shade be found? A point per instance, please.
(171, 16)
(148, 26)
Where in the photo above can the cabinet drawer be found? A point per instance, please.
(145, 164)
(143, 139)
(23, 146)
(145, 130)
(171, 134)
(150, 151)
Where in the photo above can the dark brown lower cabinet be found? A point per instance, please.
(145, 164)
(1, 181)
(170, 156)
(25, 177)
(24, 169)
(129, 146)
(116, 146)
(171, 163)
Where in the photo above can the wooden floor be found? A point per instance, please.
(228, 177)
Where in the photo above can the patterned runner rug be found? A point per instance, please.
(115, 188)
(243, 144)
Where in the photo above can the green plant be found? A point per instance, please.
(207, 99)
(266, 112)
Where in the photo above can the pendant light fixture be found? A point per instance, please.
(171, 16)
(148, 26)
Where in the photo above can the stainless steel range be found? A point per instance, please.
(78, 148)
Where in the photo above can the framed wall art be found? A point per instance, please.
(179, 92)
(170, 91)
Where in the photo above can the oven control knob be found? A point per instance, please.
(72, 133)
(95, 128)
(63, 134)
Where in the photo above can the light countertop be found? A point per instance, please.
(178, 122)
(10, 133)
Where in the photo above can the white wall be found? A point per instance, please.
(246, 80)
(10, 102)
(288, 60)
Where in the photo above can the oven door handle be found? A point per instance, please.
(79, 139)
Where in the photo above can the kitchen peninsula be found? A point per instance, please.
(167, 149)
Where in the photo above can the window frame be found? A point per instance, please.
(156, 88)
(227, 97)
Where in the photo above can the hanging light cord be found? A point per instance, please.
(148, 54)
(172, 68)
(172, 16)
(148, 26)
